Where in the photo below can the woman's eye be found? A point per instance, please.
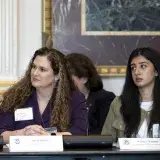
(33, 66)
(143, 66)
(43, 70)
(133, 68)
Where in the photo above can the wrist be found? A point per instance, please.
(19, 132)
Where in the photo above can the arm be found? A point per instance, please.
(31, 130)
(79, 115)
(7, 134)
(7, 126)
(108, 129)
(103, 107)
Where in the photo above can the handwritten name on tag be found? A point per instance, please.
(139, 143)
(35, 144)
(23, 114)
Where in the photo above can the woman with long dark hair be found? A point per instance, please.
(136, 113)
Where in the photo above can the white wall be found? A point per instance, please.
(30, 28)
(114, 84)
(30, 39)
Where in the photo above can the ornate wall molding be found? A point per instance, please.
(8, 43)
(4, 85)
(8, 39)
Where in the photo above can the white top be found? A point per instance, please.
(143, 131)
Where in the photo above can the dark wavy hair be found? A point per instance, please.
(81, 66)
(16, 96)
(130, 96)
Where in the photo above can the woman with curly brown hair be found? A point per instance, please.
(44, 97)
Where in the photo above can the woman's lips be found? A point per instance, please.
(139, 79)
(35, 79)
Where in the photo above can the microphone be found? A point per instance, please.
(87, 120)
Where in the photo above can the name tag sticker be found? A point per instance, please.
(23, 114)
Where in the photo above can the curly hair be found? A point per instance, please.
(16, 96)
(81, 66)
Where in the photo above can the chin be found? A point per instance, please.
(35, 85)
(140, 85)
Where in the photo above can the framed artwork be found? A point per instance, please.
(107, 31)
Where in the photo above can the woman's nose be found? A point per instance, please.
(36, 71)
(137, 72)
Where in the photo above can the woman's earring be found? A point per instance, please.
(56, 79)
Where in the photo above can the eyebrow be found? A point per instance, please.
(139, 63)
(39, 66)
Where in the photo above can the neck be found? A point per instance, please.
(44, 93)
(146, 93)
(85, 92)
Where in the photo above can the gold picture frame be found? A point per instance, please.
(4, 85)
(47, 34)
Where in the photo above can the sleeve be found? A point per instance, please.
(6, 121)
(102, 109)
(108, 129)
(79, 115)
(101, 102)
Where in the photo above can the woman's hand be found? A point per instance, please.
(37, 130)
(34, 130)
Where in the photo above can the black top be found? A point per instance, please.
(98, 103)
